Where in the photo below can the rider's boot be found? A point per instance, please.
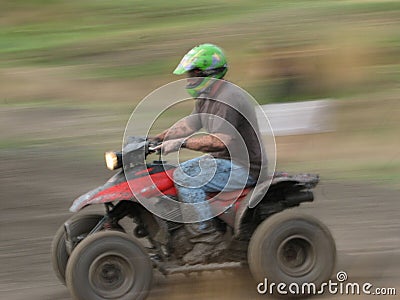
(208, 242)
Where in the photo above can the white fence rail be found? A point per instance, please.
(298, 117)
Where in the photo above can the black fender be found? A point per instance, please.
(281, 192)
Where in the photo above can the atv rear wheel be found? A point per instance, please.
(80, 226)
(109, 265)
(292, 248)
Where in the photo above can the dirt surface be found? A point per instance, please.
(38, 184)
(37, 189)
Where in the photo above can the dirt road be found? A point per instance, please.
(38, 187)
(38, 183)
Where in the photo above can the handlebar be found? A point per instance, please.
(151, 145)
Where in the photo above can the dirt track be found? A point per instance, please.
(38, 184)
(38, 187)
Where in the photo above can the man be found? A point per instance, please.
(232, 142)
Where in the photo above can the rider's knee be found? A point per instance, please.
(180, 177)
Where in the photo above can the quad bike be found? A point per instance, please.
(97, 259)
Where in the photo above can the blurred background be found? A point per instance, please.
(65, 60)
(71, 73)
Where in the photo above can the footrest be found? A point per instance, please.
(175, 269)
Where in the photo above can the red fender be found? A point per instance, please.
(117, 189)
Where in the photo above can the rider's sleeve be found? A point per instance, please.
(194, 120)
(227, 121)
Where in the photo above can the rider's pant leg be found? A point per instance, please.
(193, 180)
(206, 174)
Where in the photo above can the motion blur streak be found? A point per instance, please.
(71, 72)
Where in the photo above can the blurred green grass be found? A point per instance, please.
(129, 39)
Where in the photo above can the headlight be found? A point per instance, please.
(113, 160)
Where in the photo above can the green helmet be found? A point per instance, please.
(203, 62)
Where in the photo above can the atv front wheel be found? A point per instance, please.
(292, 248)
(109, 265)
(79, 226)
